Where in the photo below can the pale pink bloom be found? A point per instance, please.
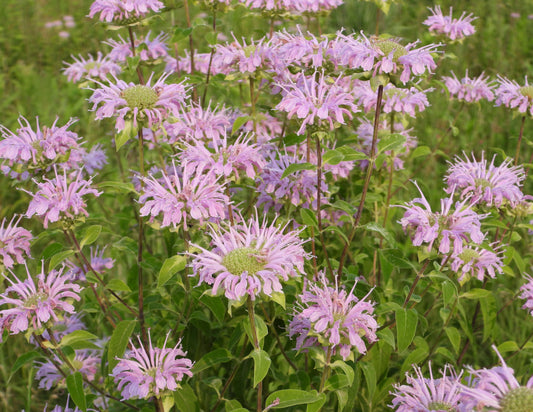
(428, 394)
(52, 24)
(454, 29)
(474, 261)
(316, 101)
(145, 48)
(299, 49)
(61, 197)
(94, 160)
(33, 305)
(250, 259)
(450, 228)
(201, 64)
(332, 318)
(384, 55)
(87, 362)
(314, 6)
(147, 103)
(14, 243)
(510, 94)
(98, 262)
(486, 183)
(67, 324)
(395, 99)
(468, 89)
(123, 10)
(242, 57)
(144, 373)
(497, 389)
(266, 127)
(64, 34)
(91, 67)
(224, 158)
(527, 293)
(183, 195)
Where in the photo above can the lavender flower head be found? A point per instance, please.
(512, 95)
(87, 362)
(64, 326)
(454, 29)
(146, 49)
(91, 68)
(470, 90)
(146, 103)
(497, 389)
(33, 305)
(183, 195)
(448, 227)
(527, 294)
(98, 262)
(123, 11)
(94, 160)
(40, 148)
(250, 259)
(61, 198)
(395, 99)
(474, 261)
(225, 159)
(333, 318)
(384, 56)
(242, 57)
(155, 372)
(14, 243)
(315, 101)
(295, 6)
(424, 395)
(486, 183)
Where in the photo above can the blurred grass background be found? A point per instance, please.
(32, 84)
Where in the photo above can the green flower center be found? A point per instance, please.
(91, 65)
(441, 406)
(389, 46)
(482, 183)
(142, 97)
(249, 50)
(468, 255)
(517, 400)
(527, 91)
(34, 300)
(244, 259)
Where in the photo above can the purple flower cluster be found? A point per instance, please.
(477, 262)
(144, 373)
(296, 6)
(150, 103)
(510, 94)
(14, 243)
(87, 362)
(121, 11)
(315, 101)
(183, 195)
(91, 68)
(61, 198)
(250, 259)
(470, 90)
(527, 294)
(333, 318)
(454, 29)
(485, 183)
(450, 228)
(33, 305)
(146, 49)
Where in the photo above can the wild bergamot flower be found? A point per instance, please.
(454, 29)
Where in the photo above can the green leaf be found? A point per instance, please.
(261, 364)
(406, 322)
(332, 157)
(347, 369)
(448, 292)
(170, 267)
(336, 382)
(420, 151)
(296, 167)
(239, 122)
(370, 377)
(90, 235)
(133, 63)
(376, 227)
(126, 134)
(309, 218)
(351, 154)
(180, 34)
(76, 336)
(455, 338)
(477, 293)
(215, 305)
(75, 389)
(119, 341)
(394, 142)
(279, 298)
(58, 258)
(387, 336)
(508, 346)
(117, 285)
(215, 357)
(338, 231)
(316, 406)
(292, 397)
(260, 328)
(415, 357)
(119, 187)
(24, 359)
(186, 400)
(51, 250)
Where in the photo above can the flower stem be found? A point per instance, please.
(252, 103)
(413, 286)
(318, 200)
(325, 372)
(519, 140)
(132, 44)
(208, 75)
(369, 170)
(257, 347)
(140, 249)
(191, 46)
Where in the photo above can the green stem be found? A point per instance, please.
(140, 278)
(325, 372)
(251, 315)
(519, 140)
